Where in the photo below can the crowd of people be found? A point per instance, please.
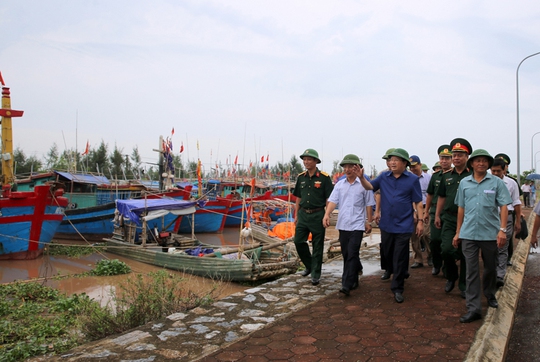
(466, 208)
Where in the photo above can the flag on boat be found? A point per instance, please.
(182, 147)
(236, 160)
(87, 149)
(262, 158)
(2, 79)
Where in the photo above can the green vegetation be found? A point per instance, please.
(37, 320)
(106, 267)
(74, 251)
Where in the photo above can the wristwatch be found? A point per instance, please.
(502, 229)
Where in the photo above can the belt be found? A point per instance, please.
(311, 211)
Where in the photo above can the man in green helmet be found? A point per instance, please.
(355, 213)
(479, 198)
(313, 187)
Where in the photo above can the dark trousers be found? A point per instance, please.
(305, 224)
(435, 243)
(396, 249)
(490, 252)
(350, 242)
(451, 254)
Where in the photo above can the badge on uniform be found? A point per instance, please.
(317, 184)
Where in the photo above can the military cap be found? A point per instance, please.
(444, 150)
(436, 166)
(504, 157)
(425, 167)
(401, 153)
(461, 145)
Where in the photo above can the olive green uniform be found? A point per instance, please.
(448, 188)
(313, 192)
(435, 242)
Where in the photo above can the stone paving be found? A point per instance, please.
(291, 320)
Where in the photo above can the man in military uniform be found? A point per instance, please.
(446, 215)
(313, 187)
(445, 163)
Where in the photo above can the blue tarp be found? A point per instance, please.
(84, 178)
(134, 209)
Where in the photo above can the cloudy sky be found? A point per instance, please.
(272, 78)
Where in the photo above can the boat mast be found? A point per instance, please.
(6, 155)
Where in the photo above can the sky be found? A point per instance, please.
(273, 78)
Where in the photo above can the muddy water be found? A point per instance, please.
(99, 288)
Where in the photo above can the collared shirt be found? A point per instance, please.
(397, 197)
(448, 188)
(352, 200)
(481, 201)
(424, 179)
(432, 190)
(313, 191)
(513, 189)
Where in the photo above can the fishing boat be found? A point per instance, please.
(247, 262)
(28, 220)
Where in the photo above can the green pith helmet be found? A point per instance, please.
(436, 166)
(310, 152)
(424, 167)
(481, 152)
(385, 157)
(504, 157)
(401, 153)
(351, 159)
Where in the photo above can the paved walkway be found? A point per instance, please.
(291, 320)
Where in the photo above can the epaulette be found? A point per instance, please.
(449, 170)
(325, 174)
(300, 174)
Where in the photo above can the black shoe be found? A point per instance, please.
(470, 317)
(500, 282)
(407, 275)
(355, 286)
(430, 260)
(417, 265)
(492, 302)
(315, 281)
(386, 275)
(345, 291)
(305, 273)
(399, 297)
(449, 286)
(435, 271)
(463, 294)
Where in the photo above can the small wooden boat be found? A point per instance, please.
(247, 262)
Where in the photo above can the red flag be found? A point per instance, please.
(172, 132)
(87, 147)
(199, 176)
(2, 79)
(181, 147)
(262, 158)
(250, 164)
(267, 157)
(236, 160)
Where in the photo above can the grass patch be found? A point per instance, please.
(39, 320)
(74, 251)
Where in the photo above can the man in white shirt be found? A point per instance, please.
(513, 224)
(355, 203)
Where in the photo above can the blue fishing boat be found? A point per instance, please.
(28, 220)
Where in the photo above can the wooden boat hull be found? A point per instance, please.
(237, 210)
(210, 267)
(28, 221)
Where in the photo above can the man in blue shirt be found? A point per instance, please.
(400, 190)
(479, 227)
(355, 203)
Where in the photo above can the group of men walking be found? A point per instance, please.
(452, 214)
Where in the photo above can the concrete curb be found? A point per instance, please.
(491, 340)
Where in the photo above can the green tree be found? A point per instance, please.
(296, 167)
(136, 163)
(25, 166)
(117, 161)
(99, 162)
